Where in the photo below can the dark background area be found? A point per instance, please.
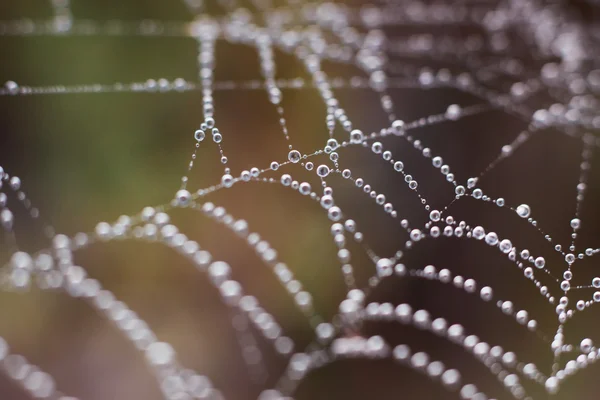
(85, 158)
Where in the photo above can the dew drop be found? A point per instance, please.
(523, 211)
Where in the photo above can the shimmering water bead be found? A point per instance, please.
(376, 347)
(478, 233)
(326, 202)
(103, 230)
(15, 183)
(575, 223)
(304, 188)
(419, 360)
(523, 211)
(451, 378)
(377, 147)
(199, 135)
(385, 267)
(286, 180)
(415, 235)
(400, 269)
(506, 307)
(246, 176)
(334, 214)
(525, 254)
(404, 313)
(470, 286)
(325, 331)
(231, 291)
(349, 310)
(422, 319)
(183, 197)
(471, 182)
(429, 272)
(7, 219)
(522, 317)
(491, 238)
(21, 260)
(12, 87)
(227, 180)
(333, 143)
(401, 352)
(337, 229)
(564, 300)
(40, 384)
(20, 278)
(486, 293)
(435, 369)
(322, 170)
(294, 156)
(160, 354)
(199, 386)
(505, 246)
(398, 127)
(445, 276)
(540, 262)
(219, 272)
(552, 385)
(271, 394)
(453, 112)
(356, 136)
(357, 295)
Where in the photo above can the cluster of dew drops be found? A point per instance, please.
(54, 268)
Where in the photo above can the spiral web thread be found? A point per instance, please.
(560, 48)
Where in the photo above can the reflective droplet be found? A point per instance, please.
(523, 211)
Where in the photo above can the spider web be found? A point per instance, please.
(390, 187)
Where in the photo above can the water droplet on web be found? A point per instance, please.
(199, 135)
(575, 223)
(523, 211)
(323, 171)
(294, 156)
(160, 354)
